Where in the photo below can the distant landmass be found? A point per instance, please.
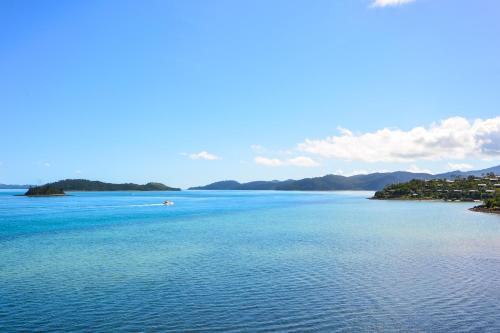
(93, 185)
(464, 174)
(369, 182)
(14, 187)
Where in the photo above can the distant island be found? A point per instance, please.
(44, 191)
(369, 182)
(14, 187)
(90, 185)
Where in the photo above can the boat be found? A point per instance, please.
(168, 203)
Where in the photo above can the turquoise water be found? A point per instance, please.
(246, 262)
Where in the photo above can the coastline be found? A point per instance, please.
(421, 199)
(483, 209)
(177, 190)
(406, 199)
(42, 195)
(479, 209)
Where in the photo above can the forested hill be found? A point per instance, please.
(90, 185)
(371, 182)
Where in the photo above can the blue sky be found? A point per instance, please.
(190, 92)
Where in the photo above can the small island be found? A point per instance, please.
(81, 185)
(44, 191)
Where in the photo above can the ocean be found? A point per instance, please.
(246, 261)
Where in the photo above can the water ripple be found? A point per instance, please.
(299, 268)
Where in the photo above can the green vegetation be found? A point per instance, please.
(88, 185)
(58, 188)
(460, 189)
(370, 182)
(45, 190)
(374, 181)
(493, 203)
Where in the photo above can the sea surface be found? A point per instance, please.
(239, 261)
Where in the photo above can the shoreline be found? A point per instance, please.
(404, 199)
(421, 199)
(483, 209)
(479, 209)
(42, 195)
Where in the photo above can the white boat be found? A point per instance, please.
(168, 203)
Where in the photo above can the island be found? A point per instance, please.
(80, 185)
(14, 187)
(44, 191)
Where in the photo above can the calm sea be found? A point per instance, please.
(246, 262)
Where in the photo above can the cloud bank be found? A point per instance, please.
(454, 138)
(299, 161)
(386, 3)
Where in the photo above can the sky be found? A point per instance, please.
(190, 92)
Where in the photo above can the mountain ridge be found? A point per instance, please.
(370, 182)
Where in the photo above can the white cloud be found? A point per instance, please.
(351, 173)
(272, 162)
(303, 161)
(454, 138)
(299, 161)
(256, 148)
(415, 169)
(78, 172)
(459, 166)
(358, 172)
(203, 155)
(386, 3)
(46, 164)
